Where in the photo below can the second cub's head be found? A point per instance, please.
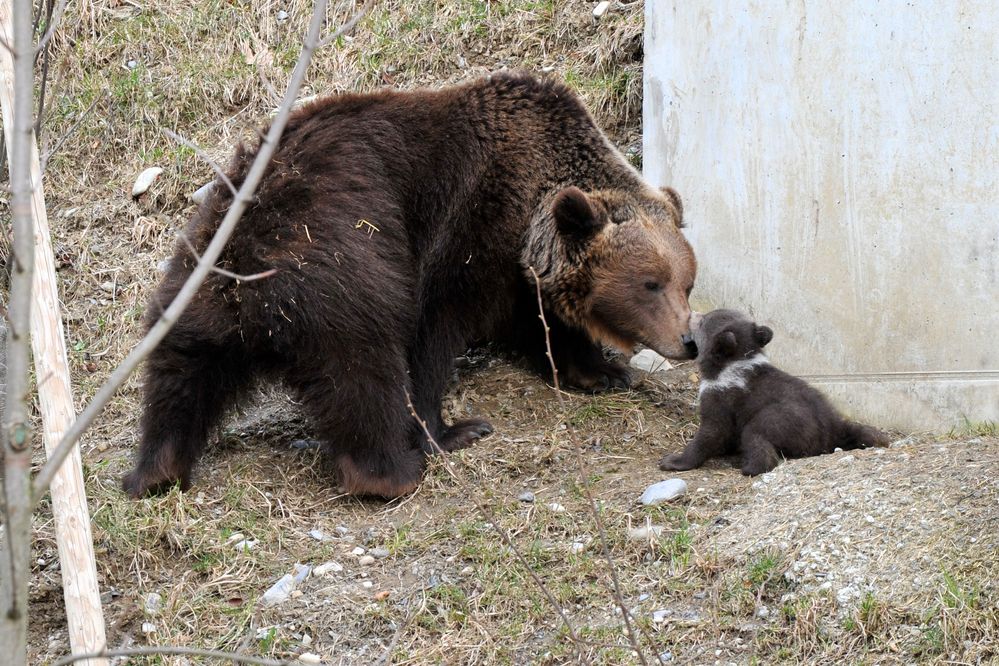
(615, 264)
(726, 336)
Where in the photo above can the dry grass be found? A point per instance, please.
(207, 70)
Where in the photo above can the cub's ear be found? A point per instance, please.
(762, 335)
(674, 198)
(726, 343)
(574, 213)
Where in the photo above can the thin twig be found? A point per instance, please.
(203, 155)
(349, 25)
(224, 272)
(53, 24)
(490, 518)
(68, 133)
(204, 267)
(587, 491)
(167, 650)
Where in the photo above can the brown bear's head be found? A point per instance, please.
(615, 264)
(725, 337)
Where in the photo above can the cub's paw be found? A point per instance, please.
(464, 433)
(674, 463)
(601, 377)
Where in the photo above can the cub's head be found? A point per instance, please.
(615, 264)
(726, 336)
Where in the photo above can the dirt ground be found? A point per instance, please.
(877, 557)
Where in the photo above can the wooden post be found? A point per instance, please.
(69, 499)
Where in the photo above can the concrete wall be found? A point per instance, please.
(839, 162)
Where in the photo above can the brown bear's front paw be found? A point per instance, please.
(607, 375)
(675, 463)
(464, 433)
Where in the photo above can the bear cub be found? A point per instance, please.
(750, 407)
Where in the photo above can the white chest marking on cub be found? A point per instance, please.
(733, 376)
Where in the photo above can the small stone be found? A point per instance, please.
(107, 286)
(666, 656)
(342, 530)
(556, 507)
(367, 584)
(310, 658)
(601, 8)
(762, 612)
(282, 16)
(645, 532)
(306, 640)
(663, 491)
(295, 594)
(382, 596)
(380, 553)
(327, 568)
(200, 194)
(144, 180)
(643, 597)
(577, 547)
(526, 496)
(153, 604)
(357, 551)
(317, 535)
(847, 459)
(649, 361)
(467, 571)
(660, 616)
(148, 628)
(366, 560)
(246, 545)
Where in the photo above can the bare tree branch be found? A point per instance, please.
(167, 650)
(55, 18)
(349, 25)
(68, 133)
(224, 272)
(490, 518)
(203, 155)
(16, 427)
(240, 202)
(585, 480)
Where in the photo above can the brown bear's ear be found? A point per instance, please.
(573, 213)
(674, 198)
(726, 344)
(762, 335)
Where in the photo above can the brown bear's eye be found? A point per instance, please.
(652, 285)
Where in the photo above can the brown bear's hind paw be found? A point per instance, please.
(464, 433)
(139, 484)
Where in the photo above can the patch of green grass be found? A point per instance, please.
(974, 429)
(762, 568)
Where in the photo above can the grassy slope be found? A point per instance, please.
(207, 69)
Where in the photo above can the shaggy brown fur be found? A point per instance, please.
(749, 406)
(402, 226)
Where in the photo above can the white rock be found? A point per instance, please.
(282, 15)
(233, 538)
(327, 567)
(556, 507)
(601, 8)
(661, 615)
(380, 553)
(663, 491)
(281, 590)
(310, 658)
(645, 532)
(367, 584)
(317, 535)
(154, 602)
(148, 628)
(649, 361)
(358, 551)
(762, 612)
(200, 194)
(526, 496)
(366, 560)
(246, 545)
(145, 180)
(576, 547)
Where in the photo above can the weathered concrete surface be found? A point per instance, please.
(839, 164)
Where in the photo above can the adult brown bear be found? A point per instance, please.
(401, 226)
